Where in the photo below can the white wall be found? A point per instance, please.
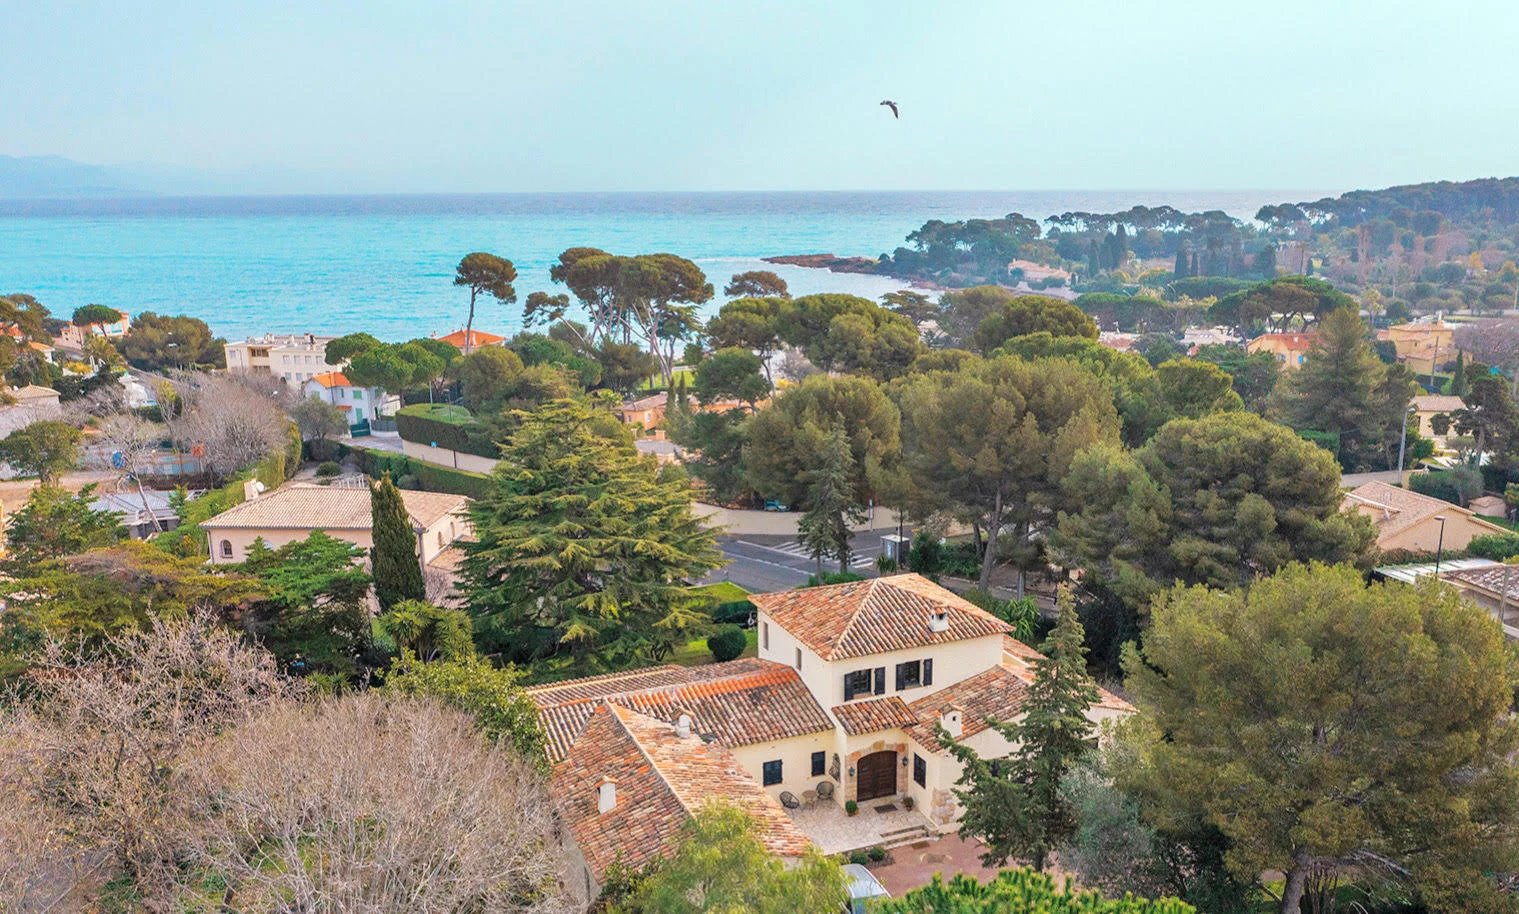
(795, 755)
(443, 456)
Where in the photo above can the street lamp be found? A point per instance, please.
(1440, 544)
(1403, 442)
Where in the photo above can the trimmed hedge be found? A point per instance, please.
(446, 426)
(1495, 546)
(727, 643)
(429, 476)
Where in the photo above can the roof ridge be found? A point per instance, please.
(653, 765)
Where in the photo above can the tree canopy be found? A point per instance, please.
(1326, 726)
(160, 341)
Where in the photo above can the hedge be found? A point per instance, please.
(446, 426)
(429, 476)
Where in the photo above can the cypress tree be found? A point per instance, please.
(1094, 259)
(1458, 385)
(831, 507)
(1181, 268)
(393, 558)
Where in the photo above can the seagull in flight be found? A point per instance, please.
(893, 106)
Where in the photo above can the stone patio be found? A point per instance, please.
(835, 832)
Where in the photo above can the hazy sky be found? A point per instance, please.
(719, 94)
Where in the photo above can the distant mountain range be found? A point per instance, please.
(29, 177)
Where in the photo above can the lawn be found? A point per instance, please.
(452, 413)
(721, 592)
(695, 653)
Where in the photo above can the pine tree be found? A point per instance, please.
(393, 559)
(1016, 807)
(1265, 261)
(824, 528)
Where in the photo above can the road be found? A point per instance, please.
(766, 563)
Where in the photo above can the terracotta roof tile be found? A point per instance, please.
(875, 616)
(660, 779)
(997, 693)
(740, 702)
(331, 379)
(476, 338)
(299, 506)
(861, 717)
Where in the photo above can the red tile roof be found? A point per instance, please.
(476, 338)
(660, 780)
(997, 693)
(861, 717)
(331, 379)
(740, 702)
(875, 616)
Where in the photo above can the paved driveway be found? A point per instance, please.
(767, 563)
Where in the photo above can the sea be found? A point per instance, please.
(384, 263)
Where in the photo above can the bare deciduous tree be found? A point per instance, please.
(235, 424)
(368, 805)
(1492, 342)
(97, 743)
(128, 443)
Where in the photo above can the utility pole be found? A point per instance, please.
(1403, 443)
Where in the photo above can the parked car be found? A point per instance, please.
(863, 886)
(773, 505)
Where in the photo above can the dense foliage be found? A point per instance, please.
(1019, 891)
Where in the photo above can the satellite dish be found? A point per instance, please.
(258, 487)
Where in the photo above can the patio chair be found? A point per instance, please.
(789, 800)
(825, 790)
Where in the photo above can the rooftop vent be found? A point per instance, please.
(938, 621)
(606, 796)
(683, 726)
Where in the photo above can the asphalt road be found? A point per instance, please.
(765, 563)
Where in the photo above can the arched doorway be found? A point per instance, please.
(876, 776)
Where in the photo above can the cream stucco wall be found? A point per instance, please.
(430, 542)
(795, 756)
(443, 456)
(1424, 536)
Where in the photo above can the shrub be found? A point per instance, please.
(885, 564)
(447, 427)
(851, 807)
(733, 612)
(422, 475)
(926, 556)
(858, 858)
(962, 561)
(727, 643)
(1495, 546)
(1021, 890)
(876, 853)
(328, 468)
(1020, 614)
(833, 577)
(1457, 485)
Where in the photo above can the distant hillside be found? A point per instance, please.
(55, 176)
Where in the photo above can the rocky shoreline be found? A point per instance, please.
(829, 262)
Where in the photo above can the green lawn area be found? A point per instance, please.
(695, 653)
(1500, 521)
(452, 413)
(721, 592)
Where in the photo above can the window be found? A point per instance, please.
(909, 675)
(226, 549)
(799, 658)
(856, 683)
(356, 394)
(919, 770)
(765, 635)
(440, 537)
(772, 772)
(819, 762)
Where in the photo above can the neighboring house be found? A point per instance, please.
(367, 403)
(294, 358)
(137, 519)
(648, 412)
(1193, 337)
(34, 396)
(473, 340)
(1428, 406)
(32, 404)
(841, 704)
(1490, 585)
(1407, 520)
(295, 510)
(1422, 345)
(1117, 340)
(73, 337)
(1289, 349)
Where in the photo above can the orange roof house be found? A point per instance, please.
(1289, 349)
(843, 703)
(475, 339)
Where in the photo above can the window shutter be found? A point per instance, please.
(880, 680)
(848, 688)
(901, 676)
(928, 671)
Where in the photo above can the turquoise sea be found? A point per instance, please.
(384, 264)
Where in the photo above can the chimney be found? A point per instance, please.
(938, 621)
(606, 796)
(252, 489)
(683, 726)
(949, 719)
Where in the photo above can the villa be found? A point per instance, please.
(842, 705)
(472, 339)
(1407, 520)
(1289, 349)
(71, 336)
(296, 510)
(357, 403)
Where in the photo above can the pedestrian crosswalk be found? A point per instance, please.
(796, 549)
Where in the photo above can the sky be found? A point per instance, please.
(727, 95)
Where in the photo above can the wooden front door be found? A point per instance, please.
(876, 776)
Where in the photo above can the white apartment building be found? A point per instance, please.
(295, 358)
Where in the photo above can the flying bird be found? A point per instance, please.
(893, 106)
